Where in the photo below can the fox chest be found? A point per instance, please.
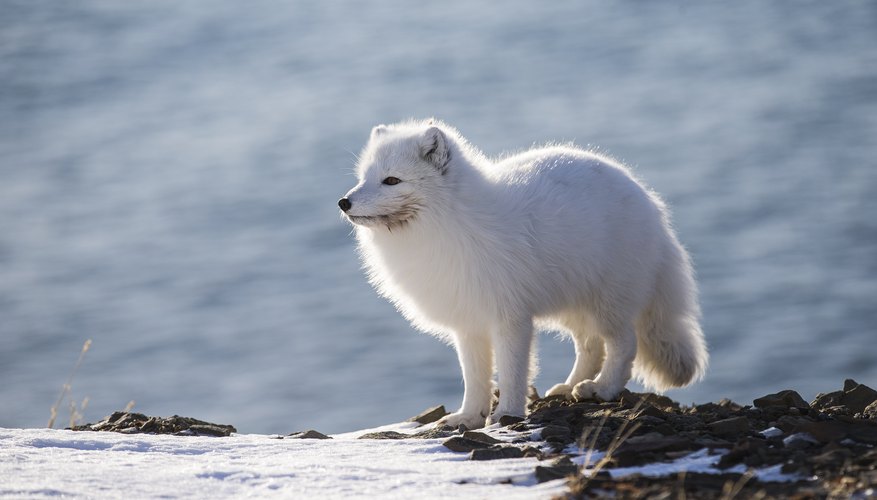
(443, 287)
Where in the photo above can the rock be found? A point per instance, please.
(786, 399)
(824, 432)
(857, 397)
(827, 400)
(556, 433)
(496, 452)
(309, 434)
(481, 437)
(209, 430)
(384, 435)
(135, 423)
(849, 385)
(730, 427)
(507, 420)
(471, 440)
(429, 415)
(771, 432)
(435, 433)
(652, 411)
(800, 441)
(461, 444)
(744, 448)
(558, 469)
(870, 411)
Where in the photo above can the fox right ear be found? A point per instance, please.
(434, 148)
(379, 130)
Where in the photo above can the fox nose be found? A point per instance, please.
(344, 204)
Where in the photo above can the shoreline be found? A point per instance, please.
(646, 445)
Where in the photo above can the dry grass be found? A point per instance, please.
(75, 412)
(590, 435)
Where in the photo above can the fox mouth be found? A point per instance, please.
(390, 221)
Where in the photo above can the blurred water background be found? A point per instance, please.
(169, 173)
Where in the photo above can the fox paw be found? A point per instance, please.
(564, 390)
(591, 390)
(456, 419)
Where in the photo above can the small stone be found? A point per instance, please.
(559, 469)
(651, 411)
(859, 397)
(800, 441)
(507, 420)
(826, 431)
(384, 435)
(210, 430)
(787, 399)
(730, 427)
(434, 433)
(556, 433)
(481, 437)
(850, 384)
(309, 434)
(827, 400)
(771, 432)
(496, 453)
(464, 444)
(429, 415)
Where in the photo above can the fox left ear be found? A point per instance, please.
(434, 148)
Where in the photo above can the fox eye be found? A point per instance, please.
(391, 181)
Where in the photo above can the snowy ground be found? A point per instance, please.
(49, 463)
(36, 463)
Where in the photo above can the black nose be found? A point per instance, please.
(344, 204)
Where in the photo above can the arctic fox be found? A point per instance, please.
(482, 252)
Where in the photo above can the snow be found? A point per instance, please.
(37, 463)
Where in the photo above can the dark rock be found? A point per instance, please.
(384, 435)
(649, 448)
(471, 440)
(857, 397)
(740, 451)
(629, 399)
(209, 430)
(309, 434)
(652, 411)
(832, 458)
(789, 424)
(481, 437)
(863, 433)
(730, 427)
(558, 469)
(556, 433)
(507, 420)
(800, 441)
(435, 433)
(786, 399)
(850, 384)
(827, 400)
(826, 431)
(496, 452)
(135, 423)
(429, 415)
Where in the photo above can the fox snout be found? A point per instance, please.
(344, 204)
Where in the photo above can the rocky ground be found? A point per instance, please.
(827, 447)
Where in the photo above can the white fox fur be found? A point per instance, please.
(482, 252)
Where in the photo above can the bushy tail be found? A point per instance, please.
(671, 351)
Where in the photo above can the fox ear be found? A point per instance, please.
(434, 148)
(379, 130)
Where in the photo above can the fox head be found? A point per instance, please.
(397, 170)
